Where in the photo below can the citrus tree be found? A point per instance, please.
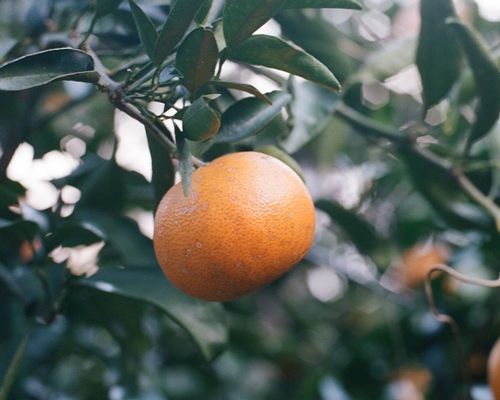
(387, 110)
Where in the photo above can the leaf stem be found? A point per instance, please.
(15, 365)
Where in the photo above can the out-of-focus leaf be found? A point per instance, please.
(101, 188)
(242, 18)
(349, 4)
(202, 320)
(249, 116)
(196, 58)
(311, 108)
(47, 66)
(163, 170)
(72, 234)
(272, 52)
(145, 28)
(104, 7)
(438, 185)
(486, 76)
(317, 37)
(243, 87)
(200, 121)
(122, 234)
(6, 45)
(387, 61)
(175, 27)
(186, 164)
(23, 229)
(202, 14)
(36, 17)
(439, 54)
(283, 156)
(360, 232)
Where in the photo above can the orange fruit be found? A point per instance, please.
(494, 370)
(247, 220)
(417, 261)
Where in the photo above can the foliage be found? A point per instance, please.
(86, 311)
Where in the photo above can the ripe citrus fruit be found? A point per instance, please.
(494, 370)
(248, 219)
(417, 261)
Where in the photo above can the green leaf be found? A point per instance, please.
(200, 121)
(202, 320)
(186, 164)
(22, 228)
(249, 116)
(202, 14)
(272, 52)
(104, 7)
(179, 19)
(243, 87)
(486, 76)
(242, 18)
(72, 234)
(359, 231)
(439, 54)
(317, 37)
(439, 186)
(348, 4)
(145, 28)
(122, 234)
(47, 66)
(100, 186)
(387, 61)
(311, 109)
(197, 58)
(163, 170)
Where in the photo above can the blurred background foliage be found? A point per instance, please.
(381, 159)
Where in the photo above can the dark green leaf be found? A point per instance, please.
(349, 4)
(317, 37)
(360, 232)
(439, 54)
(163, 169)
(72, 234)
(200, 121)
(311, 109)
(202, 320)
(486, 76)
(47, 66)
(145, 28)
(197, 58)
(104, 7)
(272, 52)
(22, 228)
(186, 164)
(249, 116)
(438, 185)
(243, 87)
(101, 188)
(123, 235)
(175, 27)
(202, 14)
(242, 18)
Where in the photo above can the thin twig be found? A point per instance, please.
(487, 203)
(448, 319)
